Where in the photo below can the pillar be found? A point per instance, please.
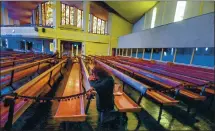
(76, 50)
(40, 15)
(193, 53)
(72, 51)
(175, 55)
(56, 13)
(86, 12)
(151, 54)
(136, 52)
(131, 52)
(116, 52)
(127, 52)
(161, 55)
(143, 53)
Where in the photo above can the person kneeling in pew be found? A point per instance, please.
(103, 83)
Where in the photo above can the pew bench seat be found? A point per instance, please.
(192, 95)
(72, 110)
(126, 104)
(161, 98)
(207, 90)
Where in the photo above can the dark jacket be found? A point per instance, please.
(104, 98)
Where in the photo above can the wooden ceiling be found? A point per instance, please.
(22, 10)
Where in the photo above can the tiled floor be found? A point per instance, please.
(40, 116)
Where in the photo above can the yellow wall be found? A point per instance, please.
(120, 26)
(94, 43)
(92, 48)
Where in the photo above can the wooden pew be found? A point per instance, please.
(16, 73)
(72, 110)
(190, 81)
(159, 97)
(33, 88)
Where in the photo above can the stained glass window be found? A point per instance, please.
(103, 27)
(43, 14)
(71, 16)
(49, 13)
(63, 14)
(67, 15)
(99, 26)
(94, 24)
(79, 18)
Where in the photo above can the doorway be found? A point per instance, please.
(70, 48)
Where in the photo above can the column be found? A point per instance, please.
(56, 13)
(122, 51)
(86, 11)
(136, 52)
(5, 19)
(143, 53)
(33, 17)
(193, 53)
(42, 46)
(72, 51)
(151, 54)
(127, 52)
(116, 52)
(76, 50)
(161, 55)
(131, 52)
(175, 55)
(40, 15)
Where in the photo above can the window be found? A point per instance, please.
(94, 24)
(204, 57)
(156, 53)
(63, 10)
(47, 14)
(147, 53)
(71, 16)
(97, 26)
(179, 13)
(153, 17)
(168, 54)
(103, 27)
(79, 20)
(184, 55)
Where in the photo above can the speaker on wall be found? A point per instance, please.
(43, 30)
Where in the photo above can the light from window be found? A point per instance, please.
(67, 15)
(196, 49)
(79, 18)
(94, 24)
(153, 17)
(71, 15)
(206, 49)
(179, 13)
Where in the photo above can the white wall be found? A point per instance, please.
(194, 32)
(138, 26)
(166, 12)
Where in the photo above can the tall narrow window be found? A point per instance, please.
(67, 15)
(99, 26)
(71, 16)
(63, 14)
(79, 18)
(94, 24)
(179, 13)
(103, 27)
(153, 17)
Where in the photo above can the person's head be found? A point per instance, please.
(100, 72)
